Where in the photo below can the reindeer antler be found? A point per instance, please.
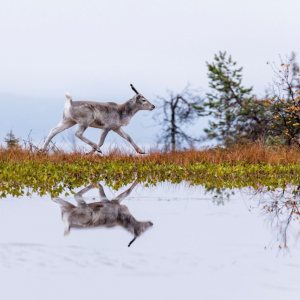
(134, 89)
(131, 242)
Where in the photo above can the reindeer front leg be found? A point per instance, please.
(126, 193)
(79, 133)
(103, 136)
(127, 137)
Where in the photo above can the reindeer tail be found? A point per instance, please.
(65, 206)
(69, 98)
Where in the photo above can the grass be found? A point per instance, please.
(255, 153)
(25, 172)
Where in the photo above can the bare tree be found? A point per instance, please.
(175, 112)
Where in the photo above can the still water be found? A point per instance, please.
(201, 245)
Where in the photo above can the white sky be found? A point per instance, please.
(95, 49)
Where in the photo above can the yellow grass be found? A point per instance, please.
(250, 153)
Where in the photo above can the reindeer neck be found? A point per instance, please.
(129, 108)
(128, 222)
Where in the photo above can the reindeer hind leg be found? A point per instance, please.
(63, 125)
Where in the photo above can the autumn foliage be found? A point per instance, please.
(284, 103)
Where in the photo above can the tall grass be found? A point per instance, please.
(254, 153)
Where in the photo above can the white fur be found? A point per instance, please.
(67, 109)
(69, 97)
(66, 224)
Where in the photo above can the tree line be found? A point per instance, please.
(235, 114)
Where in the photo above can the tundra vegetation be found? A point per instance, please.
(259, 142)
(24, 172)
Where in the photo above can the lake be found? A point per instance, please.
(202, 245)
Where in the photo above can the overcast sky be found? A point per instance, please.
(95, 49)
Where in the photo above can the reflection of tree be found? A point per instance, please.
(220, 194)
(281, 209)
(280, 214)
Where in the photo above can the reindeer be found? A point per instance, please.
(100, 214)
(107, 116)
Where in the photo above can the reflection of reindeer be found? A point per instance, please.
(104, 213)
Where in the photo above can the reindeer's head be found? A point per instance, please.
(141, 102)
(139, 228)
(143, 227)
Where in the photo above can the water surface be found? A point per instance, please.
(200, 246)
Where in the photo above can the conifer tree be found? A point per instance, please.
(11, 141)
(237, 115)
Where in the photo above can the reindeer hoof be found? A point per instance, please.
(42, 151)
(94, 152)
(91, 152)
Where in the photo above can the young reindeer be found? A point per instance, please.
(107, 116)
(100, 214)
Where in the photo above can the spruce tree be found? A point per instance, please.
(237, 115)
(11, 141)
